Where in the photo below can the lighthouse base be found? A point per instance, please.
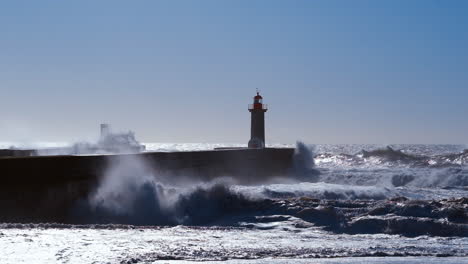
(256, 143)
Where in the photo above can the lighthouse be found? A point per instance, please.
(257, 127)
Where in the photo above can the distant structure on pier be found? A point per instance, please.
(117, 142)
(257, 127)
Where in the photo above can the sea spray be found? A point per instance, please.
(122, 183)
(131, 192)
(303, 163)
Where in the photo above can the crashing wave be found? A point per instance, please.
(390, 157)
(221, 205)
(129, 194)
(389, 154)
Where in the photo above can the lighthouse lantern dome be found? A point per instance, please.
(258, 99)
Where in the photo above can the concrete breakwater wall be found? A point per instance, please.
(17, 152)
(44, 189)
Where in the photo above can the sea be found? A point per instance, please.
(361, 204)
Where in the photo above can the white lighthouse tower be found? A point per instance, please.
(257, 129)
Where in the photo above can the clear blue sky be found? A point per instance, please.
(184, 71)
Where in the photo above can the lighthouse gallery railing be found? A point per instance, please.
(264, 107)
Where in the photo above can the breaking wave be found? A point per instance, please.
(389, 157)
(222, 205)
(219, 204)
(130, 194)
(395, 168)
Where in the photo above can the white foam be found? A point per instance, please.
(318, 190)
(77, 245)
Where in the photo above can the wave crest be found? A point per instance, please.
(390, 157)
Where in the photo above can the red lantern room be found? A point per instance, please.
(258, 98)
(258, 103)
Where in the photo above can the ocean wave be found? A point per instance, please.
(394, 168)
(154, 204)
(130, 194)
(221, 205)
(318, 190)
(452, 177)
(129, 197)
(389, 157)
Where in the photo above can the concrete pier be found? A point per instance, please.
(44, 189)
